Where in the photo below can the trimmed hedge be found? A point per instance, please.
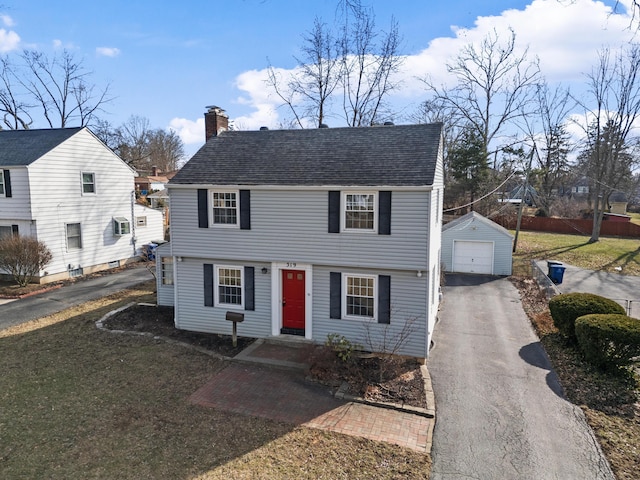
(608, 341)
(566, 308)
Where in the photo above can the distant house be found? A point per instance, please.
(157, 181)
(68, 190)
(308, 232)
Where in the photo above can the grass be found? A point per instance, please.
(608, 254)
(635, 217)
(80, 403)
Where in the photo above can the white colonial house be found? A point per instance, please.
(67, 189)
(308, 232)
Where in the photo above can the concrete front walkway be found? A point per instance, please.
(501, 411)
(265, 382)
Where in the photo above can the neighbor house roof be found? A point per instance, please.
(23, 147)
(403, 155)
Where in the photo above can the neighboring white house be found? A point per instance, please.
(308, 232)
(71, 192)
(475, 244)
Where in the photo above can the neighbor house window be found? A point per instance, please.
(229, 283)
(359, 296)
(74, 236)
(88, 182)
(141, 221)
(225, 208)
(121, 226)
(167, 270)
(360, 211)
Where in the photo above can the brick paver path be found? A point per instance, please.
(285, 396)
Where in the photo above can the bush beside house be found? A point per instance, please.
(566, 308)
(608, 341)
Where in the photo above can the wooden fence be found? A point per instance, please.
(576, 226)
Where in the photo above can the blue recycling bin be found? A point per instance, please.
(151, 251)
(556, 271)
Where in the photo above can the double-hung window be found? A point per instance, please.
(88, 182)
(360, 293)
(225, 207)
(229, 282)
(1, 184)
(74, 236)
(360, 211)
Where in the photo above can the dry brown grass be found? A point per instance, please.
(80, 403)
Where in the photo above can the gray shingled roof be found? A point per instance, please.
(403, 155)
(23, 147)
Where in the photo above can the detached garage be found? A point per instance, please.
(475, 244)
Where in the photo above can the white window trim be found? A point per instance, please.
(276, 296)
(3, 191)
(82, 183)
(66, 235)
(164, 261)
(212, 216)
(343, 211)
(141, 221)
(216, 287)
(117, 226)
(344, 297)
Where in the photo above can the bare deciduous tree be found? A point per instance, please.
(614, 92)
(23, 258)
(494, 87)
(357, 62)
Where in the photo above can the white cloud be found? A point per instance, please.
(7, 20)
(9, 40)
(189, 131)
(107, 51)
(564, 36)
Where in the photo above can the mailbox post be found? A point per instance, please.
(235, 317)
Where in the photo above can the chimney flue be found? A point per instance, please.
(215, 121)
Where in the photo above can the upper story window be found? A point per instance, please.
(360, 211)
(88, 182)
(74, 236)
(225, 208)
(1, 185)
(229, 283)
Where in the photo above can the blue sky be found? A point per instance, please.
(168, 60)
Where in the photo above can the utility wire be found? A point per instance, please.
(481, 198)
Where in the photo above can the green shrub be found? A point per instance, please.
(608, 341)
(342, 346)
(566, 308)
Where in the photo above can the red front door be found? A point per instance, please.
(293, 299)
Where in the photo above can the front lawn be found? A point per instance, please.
(78, 403)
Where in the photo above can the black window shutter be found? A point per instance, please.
(14, 230)
(245, 209)
(7, 183)
(249, 290)
(384, 299)
(334, 211)
(335, 295)
(384, 213)
(208, 285)
(203, 208)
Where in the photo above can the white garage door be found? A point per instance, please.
(472, 257)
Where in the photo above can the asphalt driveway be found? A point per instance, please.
(501, 413)
(82, 291)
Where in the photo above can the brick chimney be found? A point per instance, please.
(215, 121)
(154, 171)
